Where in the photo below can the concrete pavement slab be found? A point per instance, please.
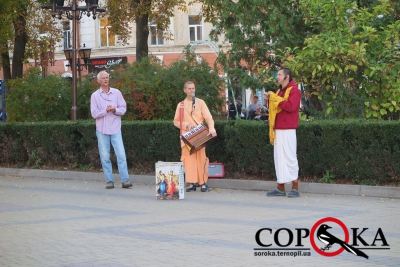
(63, 222)
(314, 188)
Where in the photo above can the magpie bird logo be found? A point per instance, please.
(334, 241)
(328, 239)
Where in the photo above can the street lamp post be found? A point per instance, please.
(84, 53)
(74, 13)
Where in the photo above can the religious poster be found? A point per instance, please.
(170, 181)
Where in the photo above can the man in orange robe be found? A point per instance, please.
(194, 113)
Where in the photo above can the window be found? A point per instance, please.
(195, 29)
(67, 40)
(107, 38)
(156, 35)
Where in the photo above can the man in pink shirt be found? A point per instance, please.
(107, 105)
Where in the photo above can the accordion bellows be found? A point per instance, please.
(197, 138)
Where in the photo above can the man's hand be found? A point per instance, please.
(190, 126)
(213, 133)
(267, 94)
(111, 108)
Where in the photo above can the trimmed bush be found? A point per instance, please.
(152, 91)
(358, 152)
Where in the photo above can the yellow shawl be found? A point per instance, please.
(274, 109)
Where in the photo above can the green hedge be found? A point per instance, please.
(151, 91)
(360, 152)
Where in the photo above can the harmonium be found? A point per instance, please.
(197, 138)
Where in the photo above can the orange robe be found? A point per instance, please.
(196, 165)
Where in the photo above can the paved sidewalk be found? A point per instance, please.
(341, 189)
(58, 222)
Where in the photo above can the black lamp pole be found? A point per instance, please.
(74, 110)
(74, 13)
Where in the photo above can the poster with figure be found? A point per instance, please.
(170, 183)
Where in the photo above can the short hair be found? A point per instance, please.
(256, 96)
(287, 72)
(187, 83)
(227, 101)
(99, 74)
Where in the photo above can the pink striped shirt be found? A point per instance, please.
(107, 122)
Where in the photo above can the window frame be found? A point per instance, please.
(157, 38)
(67, 42)
(196, 30)
(107, 28)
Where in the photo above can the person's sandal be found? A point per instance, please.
(192, 187)
(204, 188)
(276, 193)
(294, 193)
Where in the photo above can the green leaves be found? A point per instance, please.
(33, 98)
(123, 12)
(153, 91)
(26, 18)
(352, 60)
(255, 29)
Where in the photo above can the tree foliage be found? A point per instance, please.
(255, 29)
(39, 99)
(353, 63)
(142, 12)
(22, 26)
(151, 90)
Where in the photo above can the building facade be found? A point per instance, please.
(186, 28)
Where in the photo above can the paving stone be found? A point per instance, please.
(258, 185)
(78, 223)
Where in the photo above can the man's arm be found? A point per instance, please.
(293, 103)
(121, 105)
(208, 118)
(95, 111)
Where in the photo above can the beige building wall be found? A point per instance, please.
(88, 34)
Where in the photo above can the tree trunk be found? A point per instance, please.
(5, 61)
(316, 103)
(142, 29)
(20, 40)
(313, 98)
